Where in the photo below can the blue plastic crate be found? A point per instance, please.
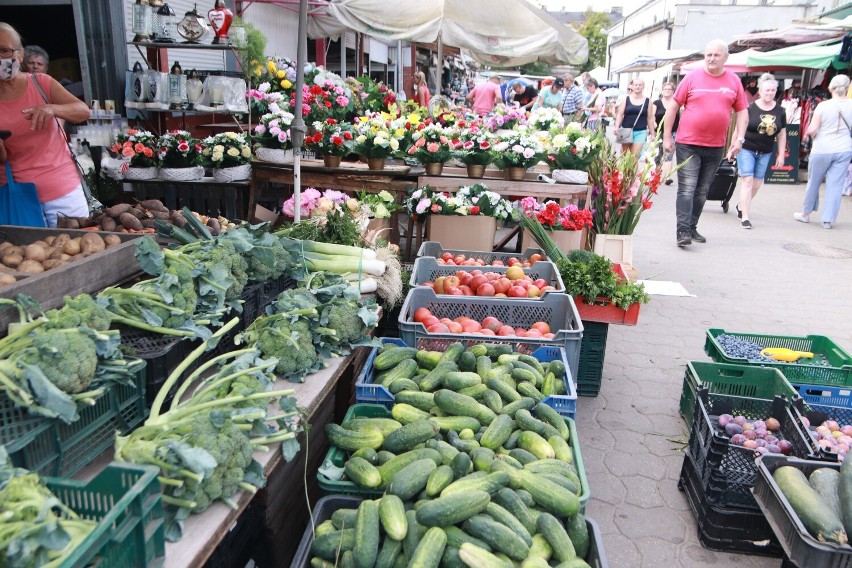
(367, 392)
(825, 395)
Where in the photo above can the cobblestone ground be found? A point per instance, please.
(631, 434)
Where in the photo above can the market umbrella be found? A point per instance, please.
(737, 63)
(817, 55)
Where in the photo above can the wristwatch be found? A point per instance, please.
(741, 140)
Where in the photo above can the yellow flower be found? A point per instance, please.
(286, 83)
(280, 74)
(361, 139)
(233, 152)
(270, 66)
(352, 204)
(218, 148)
(246, 152)
(414, 118)
(400, 132)
(258, 70)
(231, 135)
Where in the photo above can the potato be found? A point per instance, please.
(72, 247)
(14, 249)
(49, 240)
(148, 223)
(65, 256)
(162, 215)
(130, 222)
(30, 266)
(153, 205)
(92, 243)
(71, 224)
(57, 253)
(52, 263)
(6, 279)
(40, 243)
(117, 210)
(4, 245)
(35, 252)
(13, 260)
(108, 224)
(112, 240)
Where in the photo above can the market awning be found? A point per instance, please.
(791, 35)
(650, 62)
(818, 55)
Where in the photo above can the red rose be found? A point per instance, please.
(474, 210)
(331, 121)
(316, 90)
(347, 135)
(337, 140)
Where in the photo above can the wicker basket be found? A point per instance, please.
(140, 173)
(182, 174)
(275, 155)
(235, 173)
(571, 176)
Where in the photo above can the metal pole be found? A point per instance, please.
(343, 55)
(440, 63)
(399, 67)
(297, 129)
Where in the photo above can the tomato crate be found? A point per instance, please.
(603, 311)
(799, 546)
(126, 501)
(327, 505)
(427, 269)
(728, 471)
(592, 354)
(725, 530)
(838, 372)
(368, 392)
(738, 380)
(557, 310)
(63, 449)
(435, 250)
(330, 477)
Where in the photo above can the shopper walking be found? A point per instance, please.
(593, 104)
(636, 112)
(421, 89)
(485, 95)
(831, 150)
(572, 98)
(767, 122)
(661, 105)
(707, 96)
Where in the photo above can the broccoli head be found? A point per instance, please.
(177, 288)
(67, 357)
(223, 253)
(291, 342)
(350, 319)
(268, 260)
(81, 310)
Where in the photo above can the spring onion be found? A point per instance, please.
(336, 250)
(342, 264)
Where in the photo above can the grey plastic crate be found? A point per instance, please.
(426, 269)
(435, 250)
(558, 310)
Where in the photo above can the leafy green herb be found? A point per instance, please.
(591, 276)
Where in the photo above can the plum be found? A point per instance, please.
(725, 419)
(733, 428)
(773, 425)
(740, 420)
(785, 446)
(760, 432)
(760, 443)
(750, 444)
(760, 449)
(770, 439)
(748, 426)
(738, 439)
(806, 422)
(832, 425)
(773, 449)
(846, 429)
(749, 434)
(758, 424)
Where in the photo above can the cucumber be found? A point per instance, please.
(817, 515)
(549, 415)
(447, 451)
(383, 457)
(368, 454)
(329, 545)
(429, 550)
(435, 378)
(491, 483)
(399, 385)
(393, 357)
(450, 558)
(467, 362)
(555, 466)
(366, 548)
(428, 359)
(526, 374)
(347, 560)
(492, 400)
(506, 392)
(457, 380)
(415, 533)
(394, 465)
(497, 432)
(362, 473)
(482, 458)
(523, 402)
(410, 435)
(550, 496)
(575, 563)
(523, 456)
(540, 547)
(557, 537)
(438, 480)
(529, 441)
(504, 517)
(512, 442)
(411, 480)
(494, 350)
(562, 482)
(526, 497)
(383, 425)
(526, 421)
(512, 502)
(456, 423)
(344, 518)
(844, 493)
(406, 414)
(350, 441)
(404, 370)
(528, 389)
(478, 350)
(533, 362)
(317, 562)
(325, 527)
(548, 385)
(510, 460)
(499, 536)
(561, 450)
(452, 353)
(392, 516)
(477, 557)
(388, 553)
(475, 391)
(462, 405)
(456, 537)
(556, 367)
(420, 400)
(461, 465)
(826, 482)
(483, 367)
(535, 562)
(452, 509)
(578, 532)
(465, 445)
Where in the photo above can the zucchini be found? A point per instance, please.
(438, 480)
(826, 482)
(410, 435)
(392, 516)
(499, 536)
(452, 509)
(817, 515)
(350, 441)
(503, 516)
(478, 557)
(429, 550)
(435, 378)
(578, 532)
(549, 415)
(557, 537)
(329, 545)
(420, 400)
(497, 432)
(366, 548)
(411, 480)
(393, 357)
(362, 473)
(550, 496)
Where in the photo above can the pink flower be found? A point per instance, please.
(342, 101)
(422, 206)
(484, 145)
(183, 146)
(468, 145)
(282, 136)
(435, 208)
(259, 129)
(432, 147)
(420, 143)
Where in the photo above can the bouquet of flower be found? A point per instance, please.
(431, 143)
(280, 74)
(313, 203)
(273, 130)
(379, 205)
(404, 126)
(554, 217)
(505, 117)
(178, 149)
(372, 97)
(472, 200)
(330, 137)
(324, 100)
(472, 145)
(545, 119)
(518, 149)
(261, 98)
(374, 137)
(573, 147)
(138, 145)
(225, 150)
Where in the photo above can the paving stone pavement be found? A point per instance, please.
(631, 434)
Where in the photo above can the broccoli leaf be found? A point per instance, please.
(254, 475)
(241, 239)
(150, 256)
(289, 448)
(53, 402)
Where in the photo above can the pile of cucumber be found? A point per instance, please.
(475, 472)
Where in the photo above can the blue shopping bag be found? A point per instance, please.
(19, 204)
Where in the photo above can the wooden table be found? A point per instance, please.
(324, 396)
(205, 196)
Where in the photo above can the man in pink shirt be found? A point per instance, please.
(485, 95)
(707, 96)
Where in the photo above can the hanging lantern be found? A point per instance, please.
(192, 27)
(177, 87)
(140, 84)
(193, 88)
(165, 27)
(142, 21)
(220, 20)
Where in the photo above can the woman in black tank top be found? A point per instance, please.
(635, 112)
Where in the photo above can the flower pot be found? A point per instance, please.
(375, 163)
(140, 173)
(466, 232)
(571, 176)
(275, 155)
(515, 174)
(565, 240)
(475, 171)
(191, 173)
(376, 225)
(331, 161)
(235, 173)
(617, 248)
(433, 168)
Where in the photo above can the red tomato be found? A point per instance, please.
(477, 281)
(438, 328)
(455, 327)
(486, 331)
(541, 326)
(429, 321)
(471, 326)
(491, 323)
(421, 313)
(516, 292)
(540, 283)
(506, 330)
(466, 290)
(533, 333)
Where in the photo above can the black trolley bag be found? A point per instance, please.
(722, 188)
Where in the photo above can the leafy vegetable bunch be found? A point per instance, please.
(589, 275)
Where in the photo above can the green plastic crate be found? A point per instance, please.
(837, 373)
(126, 500)
(64, 449)
(592, 354)
(744, 381)
(335, 459)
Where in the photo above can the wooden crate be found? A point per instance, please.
(90, 274)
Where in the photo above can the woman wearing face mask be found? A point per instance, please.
(37, 151)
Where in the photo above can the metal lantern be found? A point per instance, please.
(177, 87)
(165, 26)
(139, 89)
(193, 88)
(192, 27)
(142, 21)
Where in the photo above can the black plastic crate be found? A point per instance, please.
(728, 472)
(726, 530)
(592, 353)
(271, 288)
(800, 548)
(245, 542)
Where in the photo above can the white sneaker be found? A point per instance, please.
(801, 217)
(826, 225)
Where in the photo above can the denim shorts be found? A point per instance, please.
(753, 164)
(639, 136)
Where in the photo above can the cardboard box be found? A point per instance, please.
(565, 240)
(466, 232)
(263, 215)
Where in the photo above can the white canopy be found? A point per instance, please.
(495, 32)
